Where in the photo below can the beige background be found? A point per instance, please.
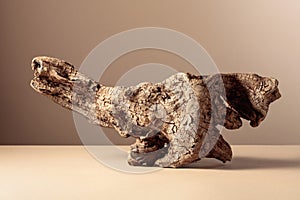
(241, 36)
(68, 172)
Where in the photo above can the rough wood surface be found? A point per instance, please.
(175, 122)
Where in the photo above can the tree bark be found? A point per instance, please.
(175, 122)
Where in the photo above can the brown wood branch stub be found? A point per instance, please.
(175, 122)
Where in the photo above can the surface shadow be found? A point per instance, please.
(246, 163)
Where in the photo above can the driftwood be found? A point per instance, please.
(174, 122)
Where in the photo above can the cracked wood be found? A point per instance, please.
(175, 122)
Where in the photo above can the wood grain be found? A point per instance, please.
(175, 122)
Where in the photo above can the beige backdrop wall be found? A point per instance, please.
(241, 36)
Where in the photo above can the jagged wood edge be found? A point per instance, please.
(246, 94)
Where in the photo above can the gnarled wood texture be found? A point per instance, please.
(175, 122)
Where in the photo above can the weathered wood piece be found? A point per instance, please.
(175, 122)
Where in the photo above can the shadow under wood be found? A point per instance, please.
(245, 163)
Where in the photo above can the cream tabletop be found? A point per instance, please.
(71, 172)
